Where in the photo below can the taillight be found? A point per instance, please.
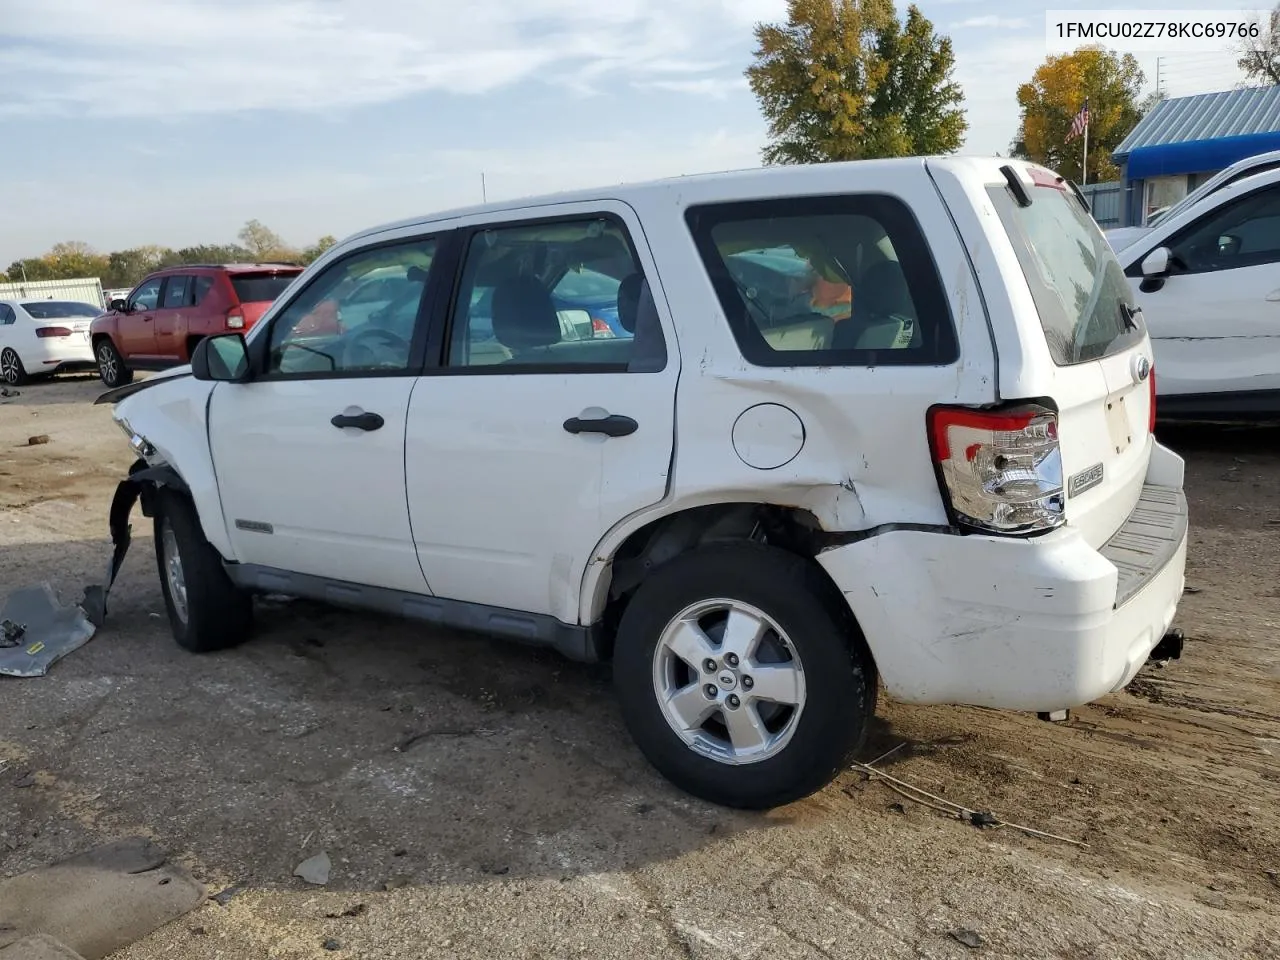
(43, 332)
(1151, 416)
(235, 319)
(1000, 470)
(600, 329)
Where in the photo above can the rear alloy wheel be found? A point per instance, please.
(12, 371)
(111, 365)
(742, 676)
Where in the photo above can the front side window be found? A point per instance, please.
(819, 281)
(568, 294)
(1085, 305)
(360, 315)
(1242, 233)
(176, 292)
(146, 296)
(60, 309)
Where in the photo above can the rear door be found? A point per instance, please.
(170, 324)
(525, 441)
(1215, 318)
(1071, 334)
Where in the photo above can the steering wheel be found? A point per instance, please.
(362, 341)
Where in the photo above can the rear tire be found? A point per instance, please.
(111, 366)
(12, 372)
(795, 640)
(207, 611)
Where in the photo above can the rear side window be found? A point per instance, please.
(1079, 287)
(819, 281)
(260, 287)
(201, 285)
(60, 309)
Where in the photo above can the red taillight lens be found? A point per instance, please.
(44, 332)
(600, 328)
(1001, 470)
(235, 319)
(1151, 416)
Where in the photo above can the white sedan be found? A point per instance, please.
(1208, 281)
(41, 337)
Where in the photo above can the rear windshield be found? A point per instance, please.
(1080, 290)
(820, 281)
(60, 309)
(261, 287)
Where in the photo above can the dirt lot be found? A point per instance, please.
(494, 790)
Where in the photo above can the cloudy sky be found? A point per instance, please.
(175, 121)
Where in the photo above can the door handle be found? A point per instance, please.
(355, 417)
(615, 425)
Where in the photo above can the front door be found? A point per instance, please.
(310, 454)
(136, 325)
(539, 434)
(1215, 319)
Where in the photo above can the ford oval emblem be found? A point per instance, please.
(1141, 368)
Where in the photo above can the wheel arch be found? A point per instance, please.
(635, 548)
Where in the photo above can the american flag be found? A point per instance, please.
(1079, 123)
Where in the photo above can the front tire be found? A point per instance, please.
(207, 611)
(12, 371)
(111, 366)
(742, 675)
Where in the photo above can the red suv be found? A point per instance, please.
(168, 313)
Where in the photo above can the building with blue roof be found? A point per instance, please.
(1184, 141)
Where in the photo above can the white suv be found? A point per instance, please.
(882, 421)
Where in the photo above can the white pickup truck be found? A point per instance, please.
(765, 440)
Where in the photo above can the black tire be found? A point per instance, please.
(839, 674)
(111, 366)
(12, 372)
(217, 613)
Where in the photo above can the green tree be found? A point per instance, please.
(1260, 57)
(264, 244)
(314, 251)
(125, 268)
(215, 253)
(1055, 94)
(846, 80)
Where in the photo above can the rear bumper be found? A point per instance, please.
(1042, 624)
(69, 354)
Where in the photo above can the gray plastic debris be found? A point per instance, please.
(315, 870)
(48, 631)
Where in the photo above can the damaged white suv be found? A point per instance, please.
(763, 440)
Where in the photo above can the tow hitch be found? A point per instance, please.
(1169, 647)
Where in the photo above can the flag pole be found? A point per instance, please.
(1084, 161)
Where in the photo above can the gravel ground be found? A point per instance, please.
(479, 799)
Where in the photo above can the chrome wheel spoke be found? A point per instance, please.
(690, 643)
(743, 632)
(779, 683)
(691, 706)
(747, 731)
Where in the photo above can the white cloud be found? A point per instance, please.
(991, 22)
(715, 87)
(158, 57)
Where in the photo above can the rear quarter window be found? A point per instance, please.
(1079, 288)
(820, 281)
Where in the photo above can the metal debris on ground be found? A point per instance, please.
(979, 818)
(45, 631)
(227, 895)
(6, 393)
(970, 938)
(315, 870)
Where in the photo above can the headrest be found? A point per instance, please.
(524, 315)
(883, 291)
(629, 301)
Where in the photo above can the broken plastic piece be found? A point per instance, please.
(94, 602)
(46, 631)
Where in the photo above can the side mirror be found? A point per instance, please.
(1156, 263)
(224, 357)
(118, 306)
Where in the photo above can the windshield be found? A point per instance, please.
(261, 287)
(1080, 291)
(60, 309)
